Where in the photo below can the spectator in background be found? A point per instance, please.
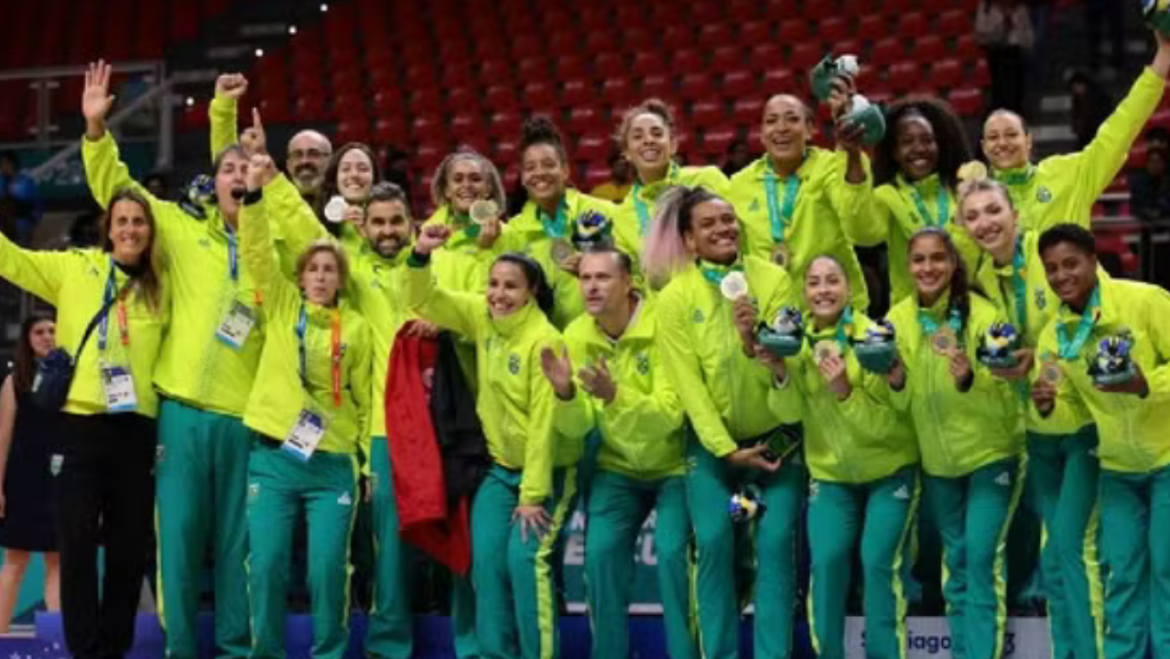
(1091, 105)
(156, 183)
(739, 155)
(20, 202)
(1149, 188)
(1004, 28)
(28, 515)
(621, 179)
(1158, 138)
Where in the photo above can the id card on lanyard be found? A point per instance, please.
(306, 435)
(117, 380)
(240, 319)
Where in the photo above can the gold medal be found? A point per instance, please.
(826, 349)
(1050, 370)
(561, 249)
(780, 254)
(484, 211)
(944, 341)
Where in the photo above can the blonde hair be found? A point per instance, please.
(439, 180)
(325, 245)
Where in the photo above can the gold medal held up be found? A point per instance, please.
(944, 341)
(826, 349)
(484, 211)
(781, 255)
(1050, 370)
(561, 249)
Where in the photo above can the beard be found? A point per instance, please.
(388, 247)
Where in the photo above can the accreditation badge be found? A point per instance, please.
(305, 436)
(118, 385)
(236, 325)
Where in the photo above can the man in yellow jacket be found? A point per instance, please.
(1110, 339)
(622, 388)
(204, 374)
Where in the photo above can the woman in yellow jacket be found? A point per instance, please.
(970, 433)
(1062, 461)
(915, 169)
(463, 178)
(522, 506)
(1132, 416)
(1063, 188)
(309, 412)
(103, 466)
(791, 200)
(707, 339)
(863, 460)
(647, 138)
(544, 228)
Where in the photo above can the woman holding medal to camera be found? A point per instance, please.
(647, 138)
(113, 308)
(1062, 462)
(970, 436)
(309, 417)
(1109, 342)
(862, 458)
(555, 216)
(708, 316)
(533, 437)
(915, 170)
(464, 178)
(790, 200)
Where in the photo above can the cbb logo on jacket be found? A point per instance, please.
(514, 364)
(643, 363)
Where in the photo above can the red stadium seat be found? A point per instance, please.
(648, 64)
(597, 174)
(832, 29)
(929, 48)
(805, 56)
(583, 119)
(351, 131)
(538, 96)
(905, 76)
(576, 92)
(714, 35)
(779, 81)
(954, 23)
(572, 66)
(501, 97)
(656, 85)
(461, 98)
(695, 86)
(466, 123)
(726, 58)
(532, 68)
(617, 91)
(390, 131)
(873, 27)
(967, 102)
(967, 48)
(765, 57)
(913, 25)
(716, 141)
(707, 113)
(427, 127)
(748, 111)
(426, 101)
(754, 32)
(793, 31)
(737, 84)
(981, 75)
(946, 74)
(686, 60)
(505, 151)
(504, 124)
(610, 65)
(675, 37)
(848, 47)
(565, 44)
(592, 147)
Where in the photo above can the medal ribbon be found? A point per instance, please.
(943, 208)
(554, 227)
(778, 215)
(334, 352)
(640, 206)
(110, 294)
(715, 273)
(1070, 349)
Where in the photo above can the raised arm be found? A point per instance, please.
(256, 244)
(457, 312)
(222, 111)
(39, 273)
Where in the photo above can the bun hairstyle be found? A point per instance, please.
(534, 274)
(653, 106)
(954, 148)
(539, 129)
(665, 252)
(960, 287)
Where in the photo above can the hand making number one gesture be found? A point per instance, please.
(96, 99)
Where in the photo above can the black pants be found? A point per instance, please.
(104, 481)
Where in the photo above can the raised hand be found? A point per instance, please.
(261, 171)
(96, 100)
(836, 375)
(598, 381)
(558, 371)
(231, 85)
(961, 369)
(488, 233)
(745, 317)
(254, 140)
(431, 237)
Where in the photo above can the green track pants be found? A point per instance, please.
(710, 484)
(618, 505)
(515, 591)
(202, 478)
(282, 487)
(882, 512)
(1063, 473)
(1135, 552)
(973, 514)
